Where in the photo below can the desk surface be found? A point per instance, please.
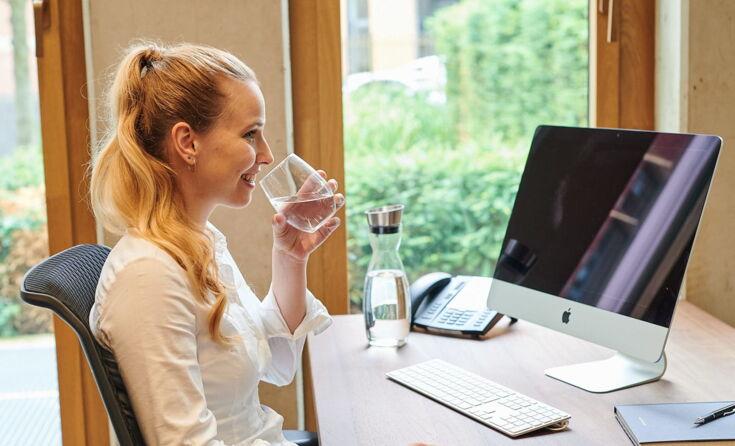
(356, 405)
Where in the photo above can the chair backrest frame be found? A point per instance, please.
(100, 359)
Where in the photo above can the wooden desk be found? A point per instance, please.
(357, 405)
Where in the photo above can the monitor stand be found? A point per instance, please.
(619, 372)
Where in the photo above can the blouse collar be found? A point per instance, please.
(220, 241)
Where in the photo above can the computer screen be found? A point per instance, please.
(598, 241)
(607, 218)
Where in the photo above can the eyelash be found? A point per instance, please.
(250, 136)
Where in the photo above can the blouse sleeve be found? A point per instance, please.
(286, 347)
(149, 319)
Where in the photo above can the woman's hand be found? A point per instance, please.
(298, 245)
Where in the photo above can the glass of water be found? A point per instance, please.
(298, 192)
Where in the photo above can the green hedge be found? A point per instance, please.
(513, 64)
(457, 198)
(457, 205)
(19, 170)
(23, 240)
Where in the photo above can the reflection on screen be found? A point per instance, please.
(607, 218)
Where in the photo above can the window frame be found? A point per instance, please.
(622, 63)
(65, 140)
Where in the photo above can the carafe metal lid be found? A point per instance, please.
(385, 217)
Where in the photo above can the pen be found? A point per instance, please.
(719, 413)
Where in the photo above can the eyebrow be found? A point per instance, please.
(257, 123)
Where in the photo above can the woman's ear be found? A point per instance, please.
(182, 138)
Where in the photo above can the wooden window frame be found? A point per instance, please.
(622, 63)
(65, 138)
(316, 78)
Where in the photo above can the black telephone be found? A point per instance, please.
(456, 305)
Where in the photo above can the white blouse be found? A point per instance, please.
(186, 389)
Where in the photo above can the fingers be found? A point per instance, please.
(333, 184)
(329, 227)
(311, 185)
(280, 227)
(315, 183)
(339, 200)
(333, 223)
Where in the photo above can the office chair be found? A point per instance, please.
(65, 283)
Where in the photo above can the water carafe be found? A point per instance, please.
(386, 302)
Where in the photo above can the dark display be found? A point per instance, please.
(607, 217)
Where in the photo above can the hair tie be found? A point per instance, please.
(147, 65)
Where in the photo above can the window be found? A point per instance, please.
(442, 120)
(29, 405)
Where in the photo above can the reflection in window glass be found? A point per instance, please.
(441, 99)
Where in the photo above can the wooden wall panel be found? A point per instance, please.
(709, 106)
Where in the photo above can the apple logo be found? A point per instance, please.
(565, 316)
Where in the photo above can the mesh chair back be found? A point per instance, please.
(66, 283)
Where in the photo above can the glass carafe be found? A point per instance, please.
(386, 301)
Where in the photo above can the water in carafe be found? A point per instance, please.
(387, 290)
(386, 300)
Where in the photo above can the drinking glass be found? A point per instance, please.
(298, 192)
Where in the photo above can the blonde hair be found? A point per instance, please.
(132, 182)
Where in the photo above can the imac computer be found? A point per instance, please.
(598, 241)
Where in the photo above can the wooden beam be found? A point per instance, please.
(64, 123)
(624, 58)
(316, 76)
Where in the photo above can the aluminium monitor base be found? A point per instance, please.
(615, 373)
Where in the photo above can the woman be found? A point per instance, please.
(190, 337)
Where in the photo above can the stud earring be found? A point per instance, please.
(193, 166)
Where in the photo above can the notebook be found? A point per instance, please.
(673, 423)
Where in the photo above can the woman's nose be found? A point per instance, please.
(266, 156)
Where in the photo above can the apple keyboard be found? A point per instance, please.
(479, 398)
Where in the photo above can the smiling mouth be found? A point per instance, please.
(248, 178)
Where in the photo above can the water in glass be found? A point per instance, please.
(306, 212)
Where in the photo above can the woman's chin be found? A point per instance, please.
(239, 200)
(241, 203)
